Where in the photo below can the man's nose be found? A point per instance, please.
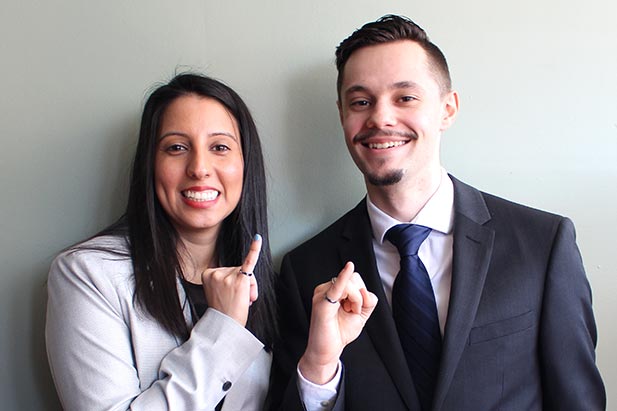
(383, 114)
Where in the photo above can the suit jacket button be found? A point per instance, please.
(226, 385)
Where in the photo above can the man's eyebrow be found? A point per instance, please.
(405, 84)
(354, 89)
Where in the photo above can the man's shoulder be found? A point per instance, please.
(521, 216)
(498, 207)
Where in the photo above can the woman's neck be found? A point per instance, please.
(197, 253)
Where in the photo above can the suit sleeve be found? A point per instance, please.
(294, 313)
(293, 326)
(93, 357)
(571, 379)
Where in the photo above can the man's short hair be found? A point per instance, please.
(390, 28)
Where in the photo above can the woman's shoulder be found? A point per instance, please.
(101, 259)
(103, 243)
(98, 250)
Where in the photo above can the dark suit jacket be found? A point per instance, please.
(520, 332)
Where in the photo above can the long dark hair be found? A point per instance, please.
(153, 240)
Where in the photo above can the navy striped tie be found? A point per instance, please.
(415, 311)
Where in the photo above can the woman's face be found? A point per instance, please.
(198, 164)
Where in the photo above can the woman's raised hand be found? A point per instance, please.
(231, 290)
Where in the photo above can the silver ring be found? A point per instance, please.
(333, 280)
(325, 296)
(246, 273)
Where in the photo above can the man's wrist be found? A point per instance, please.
(317, 373)
(319, 397)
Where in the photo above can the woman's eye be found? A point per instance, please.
(220, 147)
(174, 148)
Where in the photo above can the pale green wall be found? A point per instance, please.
(538, 125)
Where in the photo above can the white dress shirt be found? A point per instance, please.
(435, 253)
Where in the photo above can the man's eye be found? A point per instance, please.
(408, 98)
(360, 103)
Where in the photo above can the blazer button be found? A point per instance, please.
(226, 385)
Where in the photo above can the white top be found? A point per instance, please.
(105, 354)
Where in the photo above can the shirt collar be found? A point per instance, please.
(437, 213)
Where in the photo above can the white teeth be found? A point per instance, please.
(207, 195)
(389, 144)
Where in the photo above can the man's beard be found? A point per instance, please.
(389, 179)
(392, 177)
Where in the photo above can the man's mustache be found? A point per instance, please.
(365, 135)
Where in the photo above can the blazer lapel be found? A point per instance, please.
(356, 246)
(472, 249)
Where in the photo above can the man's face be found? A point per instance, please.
(393, 112)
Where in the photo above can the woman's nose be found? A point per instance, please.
(198, 166)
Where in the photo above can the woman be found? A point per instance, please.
(139, 317)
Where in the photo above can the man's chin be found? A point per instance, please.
(383, 180)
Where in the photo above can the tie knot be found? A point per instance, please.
(407, 238)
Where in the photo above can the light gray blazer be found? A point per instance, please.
(105, 354)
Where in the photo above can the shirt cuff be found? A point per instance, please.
(319, 397)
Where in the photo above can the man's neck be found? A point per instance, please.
(404, 200)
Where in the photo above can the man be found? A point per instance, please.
(508, 307)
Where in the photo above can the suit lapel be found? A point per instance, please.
(356, 246)
(473, 245)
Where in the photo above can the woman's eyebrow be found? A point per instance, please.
(212, 134)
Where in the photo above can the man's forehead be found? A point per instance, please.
(393, 86)
(387, 55)
(401, 64)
